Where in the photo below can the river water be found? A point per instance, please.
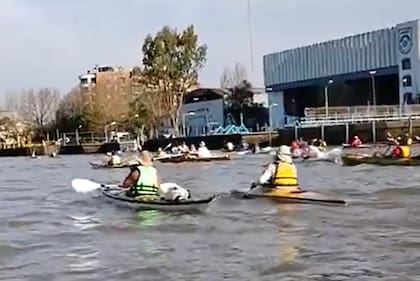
(50, 232)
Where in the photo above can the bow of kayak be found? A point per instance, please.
(117, 196)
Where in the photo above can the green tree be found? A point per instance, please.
(171, 63)
(146, 110)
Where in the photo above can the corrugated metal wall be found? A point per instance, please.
(357, 53)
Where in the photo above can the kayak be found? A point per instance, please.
(347, 145)
(117, 196)
(357, 159)
(183, 158)
(107, 166)
(167, 156)
(320, 156)
(285, 196)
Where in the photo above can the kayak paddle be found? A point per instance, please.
(84, 185)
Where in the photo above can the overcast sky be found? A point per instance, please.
(47, 43)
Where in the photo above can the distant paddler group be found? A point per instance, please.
(397, 153)
(183, 153)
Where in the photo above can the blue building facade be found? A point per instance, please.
(389, 53)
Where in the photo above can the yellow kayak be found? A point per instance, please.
(292, 196)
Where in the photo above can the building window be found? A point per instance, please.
(406, 64)
(94, 80)
(407, 81)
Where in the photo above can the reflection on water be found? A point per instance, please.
(148, 217)
(289, 235)
(50, 232)
(83, 259)
(85, 222)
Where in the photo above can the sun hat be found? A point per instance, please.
(284, 154)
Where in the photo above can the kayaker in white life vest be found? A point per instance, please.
(203, 151)
(142, 181)
(281, 173)
(115, 159)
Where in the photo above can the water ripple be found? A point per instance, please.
(50, 232)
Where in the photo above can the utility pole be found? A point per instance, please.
(251, 45)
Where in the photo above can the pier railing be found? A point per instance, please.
(315, 117)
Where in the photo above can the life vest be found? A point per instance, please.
(405, 151)
(285, 175)
(396, 152)
(146, 184)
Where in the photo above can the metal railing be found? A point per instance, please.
(315, 117)
(314, 112)
(353, 120)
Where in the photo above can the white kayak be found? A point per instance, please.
(174, 198)
(117, 196)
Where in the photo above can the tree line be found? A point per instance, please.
(170, 63)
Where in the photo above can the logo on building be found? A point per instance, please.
(405, 40)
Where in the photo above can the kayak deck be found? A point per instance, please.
(117, 195)
(279, 196)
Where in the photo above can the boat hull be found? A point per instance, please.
(285, 196)
(357, 159)
(180, 159)
(349, 146)
(117, 196)
(106, 166)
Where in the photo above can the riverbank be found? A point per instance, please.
(333, 135)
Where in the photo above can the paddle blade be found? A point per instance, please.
(84, 186)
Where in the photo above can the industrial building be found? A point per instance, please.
(371, 69)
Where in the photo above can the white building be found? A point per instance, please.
(203, 110)
(378, 67)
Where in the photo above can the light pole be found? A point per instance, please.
(270, 109)
(372, 75)
(191, 113)
(77, 134)
(106, 130)
(326, 96)
(251, 45)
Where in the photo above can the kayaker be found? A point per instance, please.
(356, 141)
(407, 141)
(230, 146)
(175, 149)
(202, 151)
(256, 148)
(161, 153)
(142, 181)
(294, 145)
(184, 148)
(115, 159)
(281, 173)
(401, 148)
(193, 149)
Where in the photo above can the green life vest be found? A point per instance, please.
(146, 183)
